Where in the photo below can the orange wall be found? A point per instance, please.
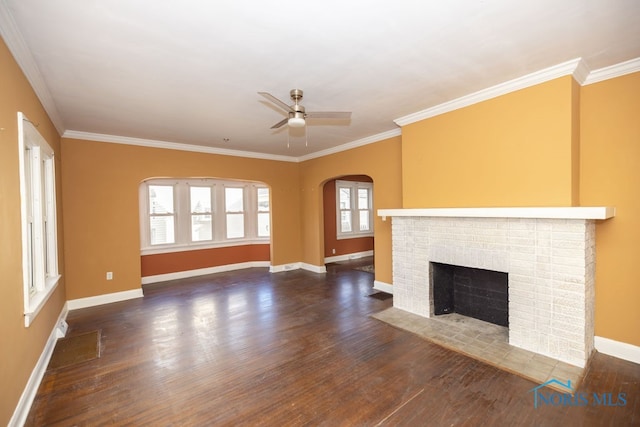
(554, 144)
(514, 150)
(101, 182)
(172, 262)
(382, 162)
(610, 175)
(21, 347)
(331, 242)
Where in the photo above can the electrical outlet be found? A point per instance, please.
(333, 251)
(109, 275)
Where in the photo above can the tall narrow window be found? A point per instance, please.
(364, 209)
(354, 209)
(344, 199)
(38, 213)
(234, 208)
(263, 212)
(201, 223)
(161, 214)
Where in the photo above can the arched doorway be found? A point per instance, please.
(348, 218)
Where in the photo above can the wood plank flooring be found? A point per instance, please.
(250, 348)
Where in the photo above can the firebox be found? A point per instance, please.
(473, 292)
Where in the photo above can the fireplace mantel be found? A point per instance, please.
(592, 212)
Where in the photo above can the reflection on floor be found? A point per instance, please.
(483, 341)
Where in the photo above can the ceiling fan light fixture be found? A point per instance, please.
(296, 120)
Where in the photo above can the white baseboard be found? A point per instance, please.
(202, 271)
(26, 400)
(618, 349)
(285, 267)
(298, 266)
(313, 268)
(383, 287)
(347, 257)
(75, 304)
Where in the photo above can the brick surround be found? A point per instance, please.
(551, 267)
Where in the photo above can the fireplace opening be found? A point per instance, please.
(472, 292)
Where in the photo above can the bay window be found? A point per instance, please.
(183, 214)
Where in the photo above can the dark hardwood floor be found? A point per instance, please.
(292, 349)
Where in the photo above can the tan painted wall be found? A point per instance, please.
(20, 347)
(381, 161)
(514, 150)
(101, 206)
(610, 151)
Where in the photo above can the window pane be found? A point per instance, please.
(201, 228)
(200, 199)
(162, 230)
(263, 199)
(235, 226)
(233, 199)
(345, 198)
(161, 199)
(364, 221)
(363, 198)
(345, 221)
(263, 225)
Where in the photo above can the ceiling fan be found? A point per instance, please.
(296, 113)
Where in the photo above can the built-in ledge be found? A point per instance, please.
(582, 212)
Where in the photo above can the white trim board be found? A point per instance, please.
(298, 266)
(31, 388)
(618, 349)
(383, 287)
(347, 257)
(617, 70)
(202, 271)
(75, 304)
(570, 212)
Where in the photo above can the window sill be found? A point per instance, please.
(37, 301)
(196, 247)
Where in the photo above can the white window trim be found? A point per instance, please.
(355, 219)
(44, 259)
(182, 210)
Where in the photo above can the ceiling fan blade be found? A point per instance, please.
(276, 101)
(329, 115)
(280, 123)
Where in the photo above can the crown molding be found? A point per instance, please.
(114, 139)
(353, 144)
(581, 72)
(613, 71)
(20, 51)
(560, 70)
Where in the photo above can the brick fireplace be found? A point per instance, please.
(548, 254)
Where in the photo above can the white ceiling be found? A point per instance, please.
(189, 71)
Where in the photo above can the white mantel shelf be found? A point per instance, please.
(595, 212)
